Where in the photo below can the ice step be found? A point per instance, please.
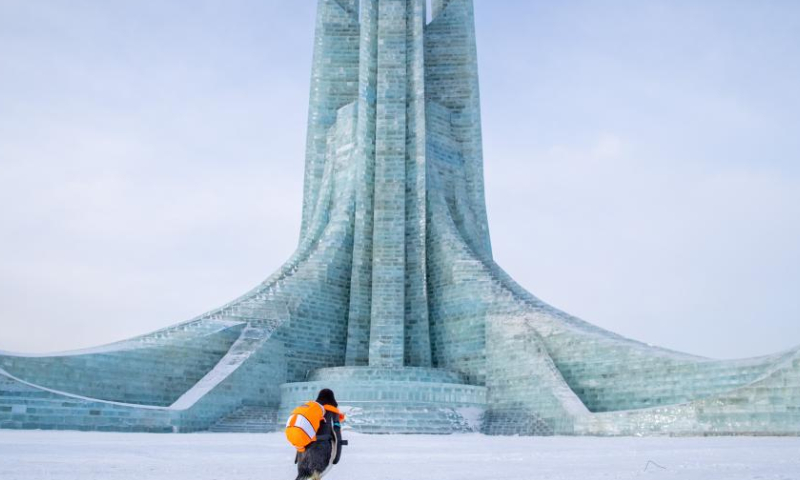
(249, 419)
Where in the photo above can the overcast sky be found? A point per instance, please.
(642, 162)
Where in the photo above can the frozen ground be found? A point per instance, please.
(98, 456)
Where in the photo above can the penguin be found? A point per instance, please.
(320, 456)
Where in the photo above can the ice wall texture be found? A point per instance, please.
(393, 292)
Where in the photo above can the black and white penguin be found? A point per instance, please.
(319, 457)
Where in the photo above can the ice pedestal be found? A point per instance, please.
(403, 400)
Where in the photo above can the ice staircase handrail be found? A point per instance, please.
(250, 340)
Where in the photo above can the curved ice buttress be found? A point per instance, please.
(307, 293)
(767, 406)
(610, 372)
(602, 370)
(481, 330)
(26, 405)
(129, 374)
(524, 375)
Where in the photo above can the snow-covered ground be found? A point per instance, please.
(111, 456)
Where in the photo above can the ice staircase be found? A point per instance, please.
(249, 419)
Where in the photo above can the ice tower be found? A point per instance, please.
(392, 297)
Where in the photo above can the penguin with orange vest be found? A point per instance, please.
(315, 430)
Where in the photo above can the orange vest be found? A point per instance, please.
(301, 429)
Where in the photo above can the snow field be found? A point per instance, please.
(41, 455)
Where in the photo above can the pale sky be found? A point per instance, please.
(642, 162)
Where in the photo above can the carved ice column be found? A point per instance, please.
(387, 339)
(417, 322)
(333, 85)
(358, 329)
